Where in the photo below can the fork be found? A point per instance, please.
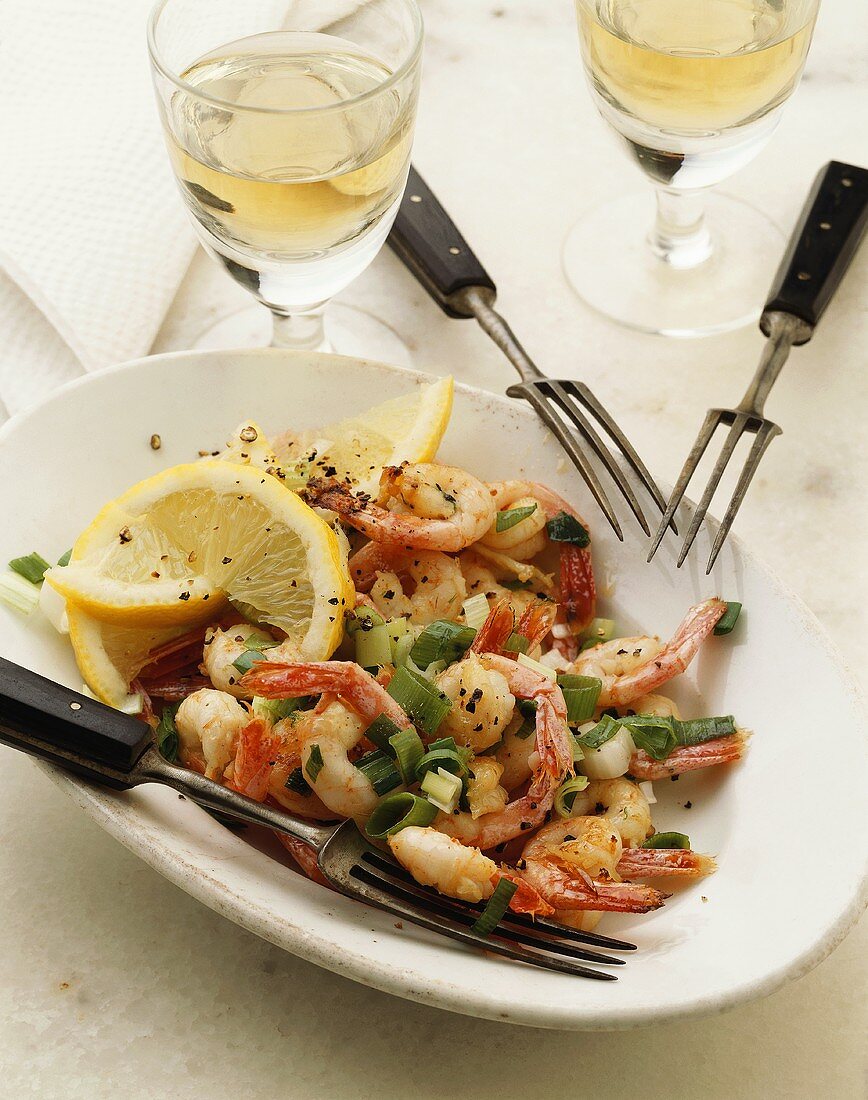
(821, 247)
(428, 242)
(84, 736)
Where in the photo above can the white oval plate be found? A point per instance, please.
(787, 889)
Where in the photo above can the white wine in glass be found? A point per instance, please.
(291, 148)
(695, 88)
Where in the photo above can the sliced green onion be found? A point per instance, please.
(654, 735)
(373, 647)
(464, 754)
(259, 641)
(380, 771)
(433, 670)
(447, 759)
(363, 618)
(443, 789)
(246, 660)
(515, 585)
(566, 528)
(475, 610)
(314, 763)
(408, 750)
(527, 708)
(511, 516)
(535, 666)
(516, 643)
(275, 710)
(64, 559)
(599, 630)
(580, 695)
(425, 704)
(18, 593)
(397, 812)
(727, 620)
(401, 650)
(566, 794)
(297, 782)
(578, 752)
(442, 640)
(667, 840)
(32, 567)
(589, 644)
(495, 909)
(695, 731)
(604, 731)
(380, 731)
(398, 630)
(167, 734)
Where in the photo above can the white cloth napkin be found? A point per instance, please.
(91, 229)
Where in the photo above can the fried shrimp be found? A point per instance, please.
(422, 585)
(482, 704)
(424, 506)
(209, 723)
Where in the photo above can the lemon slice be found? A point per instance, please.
(110, 655)
(405, 429)
(175, 548)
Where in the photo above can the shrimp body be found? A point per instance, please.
(632, 667)
(572, 864)
(458, 871)
(209, 723)
(552, 763)
(482, 704)
(334, 728)
(622, 803)
(425, 506)
(223, 647)
(422, 585)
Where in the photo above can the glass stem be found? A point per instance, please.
(304, 331)
(680, 236)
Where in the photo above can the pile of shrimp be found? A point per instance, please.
(426, 545)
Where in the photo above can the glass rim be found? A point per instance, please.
(175, 78)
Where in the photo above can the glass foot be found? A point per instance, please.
(349, 331)
(609, 263)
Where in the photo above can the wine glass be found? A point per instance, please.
(695, 89)
(289, 127)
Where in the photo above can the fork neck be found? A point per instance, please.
(479, 301)
(153, 767)
(782, 330)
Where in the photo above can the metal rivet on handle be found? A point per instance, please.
(75, 706)
(846, 182)
(803, 276)
(455, 251)
(415, 198)
(825, 225)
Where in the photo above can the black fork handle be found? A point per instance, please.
(429, 243)
(833, 221)
(44, 719)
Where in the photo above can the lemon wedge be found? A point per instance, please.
(408, 428)
(110, 655)
(174, 549)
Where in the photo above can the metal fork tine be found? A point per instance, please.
(389, 898)
(736, 431)
(563, 395)
(764, 436)
(530, 936)
(623, 443)
(565, 438)
(712, 419)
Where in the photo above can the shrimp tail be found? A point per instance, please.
(257, 750)
(687, 758)
(638, 863)
(525, 899)
(578, 589)
(537, 621)
(495, 630)
(305, 857)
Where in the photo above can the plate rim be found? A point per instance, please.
(312, 946)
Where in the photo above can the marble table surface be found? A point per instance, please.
(115, 983)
